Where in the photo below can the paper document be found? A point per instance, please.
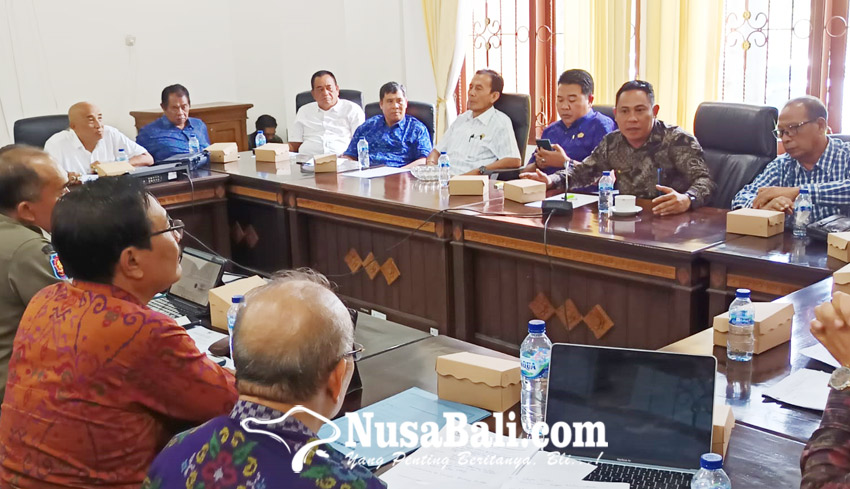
(577, 200)
(203, 338)
(820, 353)
(382, 171)
(804, 388)
(548, 469)
(413, 405)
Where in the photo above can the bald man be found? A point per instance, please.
(30, 185)
(301, 359)
(88, 140)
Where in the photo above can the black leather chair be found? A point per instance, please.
(517, 106)
(35, 131)
(738, 142)
(605, 109)
(304, 98)
(422, 111)
(843, 137)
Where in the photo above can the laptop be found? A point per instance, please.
(656, 406)
(189, 296)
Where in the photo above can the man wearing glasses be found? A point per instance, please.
(813, 161)
(98, 382)
(294, 352)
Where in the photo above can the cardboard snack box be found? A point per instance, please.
(478, 380)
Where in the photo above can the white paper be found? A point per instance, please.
(381, 171)
(549, 469)
(820, 353)
(577, 200)
(203, 338)
(804, 388)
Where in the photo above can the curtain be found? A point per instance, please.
(446, 27)
(681, 47)
(599, 41)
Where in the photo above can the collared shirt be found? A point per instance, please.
(473, 142)
(97, 384)
(163, 139)
(27, 265)
(405, 141)
(669, 149)
(66, 148)
(828, 182)
(825, 462)
(578, 140)
(325, 131)
(221, 453)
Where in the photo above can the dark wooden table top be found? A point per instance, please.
(380, 336)
(753, 379)
(783, 250)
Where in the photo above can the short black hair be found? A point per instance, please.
(320, 74)
(815, 108)
(177, 88)
(641, 85)
(577, 77)
(391, 87)
(93, 224)
(19, 180)
(265, 121)
(497, 83)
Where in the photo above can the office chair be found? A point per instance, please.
(841, 137)
(738, 142)
(35, 131)
(517, 106)
(304, 98)
(605, 109)
(421, 110)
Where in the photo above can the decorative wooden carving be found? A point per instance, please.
(541, 307)
(598, 321)
(369, 259)
(372, 269)
(251, 236)
(237, 233)
(573, 317)
(390, 271)
(353, 260)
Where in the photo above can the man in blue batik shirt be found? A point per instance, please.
(813, 161)
(394, 138)
(580, 128)
(170, 134)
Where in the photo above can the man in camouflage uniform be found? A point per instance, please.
(30, 184)
(651, 159)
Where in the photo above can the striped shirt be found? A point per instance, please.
(473, 142)
(828, 182)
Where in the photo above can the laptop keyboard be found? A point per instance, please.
(639, 477)
(165, 306)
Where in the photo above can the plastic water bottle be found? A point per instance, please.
(363, 153)
(740, 340)
(237, 301)
(194, 144)
(711, 474)
(802, 213)
(259, 139)
(122, 155)
(534, 353)
(606, 192)
(445, 169)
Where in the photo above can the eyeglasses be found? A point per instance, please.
(791, 130)
(356, 354)
(174, 226)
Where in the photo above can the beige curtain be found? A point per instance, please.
(599, 42)
(681, 42)
(446, 26)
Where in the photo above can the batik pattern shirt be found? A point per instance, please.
(828, 182)
(163, 139)
(670, 156)
(579, 139)
(404, 142)
(825, 463)
(222, 454)
(98, 384)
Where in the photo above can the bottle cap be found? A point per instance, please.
(606, 173)
(536, 326)
(742, 293)
(120, 150)
(711, 461)
(237, 299)
(442, 152)
(804, 191)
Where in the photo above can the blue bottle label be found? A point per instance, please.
(535, 365)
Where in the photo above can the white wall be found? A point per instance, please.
(54, 53)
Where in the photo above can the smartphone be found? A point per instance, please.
(545, 144)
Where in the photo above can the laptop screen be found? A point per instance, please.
(656, 406)
(201, 272)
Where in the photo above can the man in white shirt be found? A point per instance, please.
(326, 125)
(89, 141)
(482, 138)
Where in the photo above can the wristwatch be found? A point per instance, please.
(693, 200)
(482, 170)
(840, 379)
